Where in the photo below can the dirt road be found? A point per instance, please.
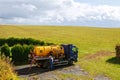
(36, 73)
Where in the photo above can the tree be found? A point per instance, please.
(5, 50)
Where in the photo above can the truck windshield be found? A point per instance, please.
(75, 49)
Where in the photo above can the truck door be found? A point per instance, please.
(73, 53)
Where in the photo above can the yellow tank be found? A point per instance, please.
(45, 51)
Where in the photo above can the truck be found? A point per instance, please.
(54, 55)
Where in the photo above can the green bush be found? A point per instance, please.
(49, 43)
(2, 41)
(42, 43)
(20, 53)
(17, 53)
(11, 41)
(28, 41)
(27, 49)
(5, 50)
(117, 48)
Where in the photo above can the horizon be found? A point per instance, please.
(28, 25)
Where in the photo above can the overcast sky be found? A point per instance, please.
(99, 13)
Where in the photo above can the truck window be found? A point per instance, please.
(74, 49)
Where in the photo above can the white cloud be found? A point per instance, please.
(19, 20)
(55, 11)
(28, 7)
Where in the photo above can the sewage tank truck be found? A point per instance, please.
(54, 55)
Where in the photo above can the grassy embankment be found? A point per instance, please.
(88, 40)
(6, 70)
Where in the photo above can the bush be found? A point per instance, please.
(27, 49)
(20, 53)
(2, 42)
(49, 43)
(42, 43)
(117, 48)
(28, 41)
(5, 50)
(11, 41)
(17, 53)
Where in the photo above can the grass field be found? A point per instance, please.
(89, 40)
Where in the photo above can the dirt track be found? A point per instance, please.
(36, 73)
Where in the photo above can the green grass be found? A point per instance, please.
(87, 39)
(6, 70)
(99, 65)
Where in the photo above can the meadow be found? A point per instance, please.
(89, 41)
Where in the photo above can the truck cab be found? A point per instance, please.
(71, 53)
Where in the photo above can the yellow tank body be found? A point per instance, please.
(44, 51)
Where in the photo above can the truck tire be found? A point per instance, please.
(70, 62)
(41, 66)
(46, 65)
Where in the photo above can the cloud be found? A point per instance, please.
(23, 6)
(55, 12)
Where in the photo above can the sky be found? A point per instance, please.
(98, 13)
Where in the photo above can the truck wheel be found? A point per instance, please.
(70, 62)
(46, 64)
(41, 66)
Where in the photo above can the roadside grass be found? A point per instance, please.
(101, 65)
(88, 39)
(6, 70)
